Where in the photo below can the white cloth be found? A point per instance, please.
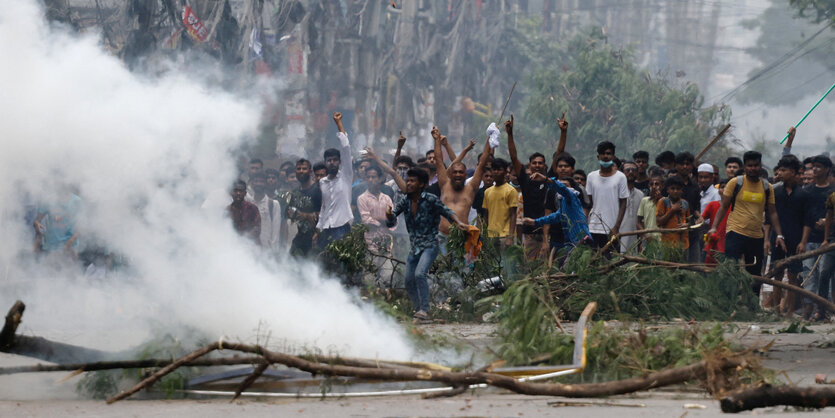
(707, 196)
(493, 133)
(270, 222)
(336, 192)
(630, 218)
(705, 168)
(605, 193)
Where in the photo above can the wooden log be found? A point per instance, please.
(128, 364)
(767, 395)
(7, 335)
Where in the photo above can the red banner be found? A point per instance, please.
(194, 26)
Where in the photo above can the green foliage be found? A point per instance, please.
(349, 256)
(606, 97)
(796, 327)
(649, 292)
(106, 383)
(527, 324)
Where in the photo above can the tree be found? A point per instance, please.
(606, 97)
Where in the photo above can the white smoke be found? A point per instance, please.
(143, 152)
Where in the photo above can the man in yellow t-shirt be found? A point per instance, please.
(748, 204)
(501, 201)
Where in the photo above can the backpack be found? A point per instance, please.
(739, 180)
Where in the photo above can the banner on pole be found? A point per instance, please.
(194, 26)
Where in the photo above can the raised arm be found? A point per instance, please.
(787, 149)
(401, 184)
(345, 152)
(475, 182)
(400, 142)
(439, 158)
(563, 124)
(464, 152)
(450, 152)
(516, 166)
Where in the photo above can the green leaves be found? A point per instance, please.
(607, 97)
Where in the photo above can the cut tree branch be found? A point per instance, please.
(767, 395)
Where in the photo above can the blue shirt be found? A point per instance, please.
(60, 222)
(570, 216)
(423, 225)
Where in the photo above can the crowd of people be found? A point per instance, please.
(701, 212)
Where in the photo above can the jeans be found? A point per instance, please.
(329, 235)
(416, 281)
(821, 279)
(750, 250)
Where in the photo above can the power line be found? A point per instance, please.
(772, 66)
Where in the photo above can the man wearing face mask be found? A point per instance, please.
(608, 191)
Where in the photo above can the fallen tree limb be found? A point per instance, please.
(821, 301)
(657, 379)
(701, 268)
(778, 266)
(767, 395)
(129, 364)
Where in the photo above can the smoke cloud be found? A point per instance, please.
(143, 152)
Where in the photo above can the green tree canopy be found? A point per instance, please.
(607, 97)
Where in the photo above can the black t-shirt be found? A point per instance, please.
(816, 209)
(790, 211)
(478, 200)
(307, 200)
(435, 189)
(643, 186)
(536, 196)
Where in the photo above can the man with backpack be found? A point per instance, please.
(748, 197)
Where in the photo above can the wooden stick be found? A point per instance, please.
(767, 395)
(250, 380)
(506, 103)
(128, 364)
(712, 142)
(821, 301)
(797, 257)
(159, 374)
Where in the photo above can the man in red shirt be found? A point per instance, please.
(245, 216)
(715, 243)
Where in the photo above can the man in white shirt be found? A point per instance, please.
(707, 192)
(271, 219)
(608, 193)
(633, 202)
(335, 216)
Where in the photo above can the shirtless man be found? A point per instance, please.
(454, 193)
